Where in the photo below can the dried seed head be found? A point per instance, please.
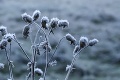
(1, 66)
(93, 42)
(38, 71)
(26, 31)
(44, 22)
(70, 38)
(3, 44)
(41, 79)
(76, 49)
(27, 18)
(3, 30)
(36, 15)
(9, 37)
(83, 42)
(63, 23)
(54, 22)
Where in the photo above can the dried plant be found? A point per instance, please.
(47, 27)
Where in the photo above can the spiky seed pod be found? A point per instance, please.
(44, 22)
(63, 23)
(36, 15)
(93, 42)
(38, 71)
(83, 42)
(3, 44)
(70, 38)
(1, 66)
(76, 49)
(9, 37)
(54, 23)
(27, 18)
(41, 79)
(3, 30)
(26, 31)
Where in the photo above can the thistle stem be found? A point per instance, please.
(73, 61)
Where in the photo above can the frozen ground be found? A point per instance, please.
(92, 18)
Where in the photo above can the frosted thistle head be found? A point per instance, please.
(54, 22)
(26, 31)
(3, 44)
(27, 18)
(38, 71)
(63, 23)
(3, 30)
(1, 66)
(70, 38)
(36, 15)
(76, 49)
(44, 22)
(93, 42)
(83, 42)
(9, 37)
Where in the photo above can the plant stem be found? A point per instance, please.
(9, 64)
(55, 50)
(73, 61)
(44, 75)
(32, 64)
(22, 49)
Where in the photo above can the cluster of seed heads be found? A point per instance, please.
(6, 37)
(83, 42)
(45, 22)
(45, 25)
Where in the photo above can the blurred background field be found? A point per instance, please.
(91, 18)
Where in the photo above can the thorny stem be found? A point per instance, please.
(44, 75)
(73, 61)
(22, 49)
(9, 64)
